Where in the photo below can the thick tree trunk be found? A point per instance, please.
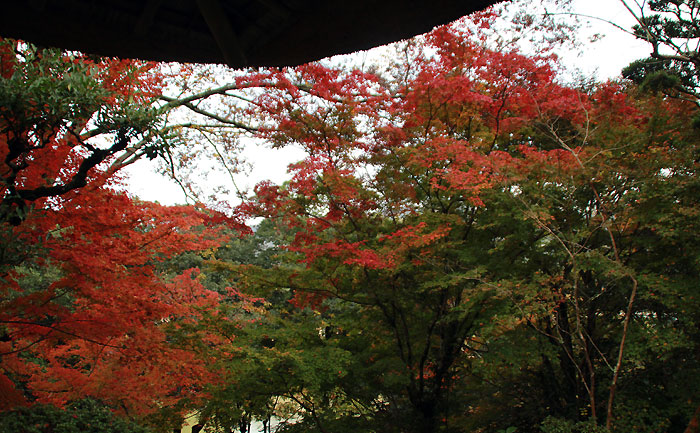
(428, 422)
(693, 426)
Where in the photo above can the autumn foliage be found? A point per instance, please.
(85, 297)
(495, 227)
(468, 244)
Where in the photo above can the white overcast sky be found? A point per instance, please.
(604, 59)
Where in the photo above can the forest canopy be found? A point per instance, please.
(468, 244)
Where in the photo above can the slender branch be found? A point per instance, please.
(592, 17)
(210, 115)
(618, 366)
(59, 330)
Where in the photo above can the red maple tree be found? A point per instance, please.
(461, 181)
(85, 299)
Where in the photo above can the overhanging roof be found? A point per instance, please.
(236, 32)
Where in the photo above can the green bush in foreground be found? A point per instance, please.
(84, 416)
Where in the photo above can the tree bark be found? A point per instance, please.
(618, 366)
(693, 426)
